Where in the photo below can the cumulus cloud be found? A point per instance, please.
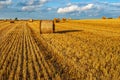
(71, 8)
(31, 2)
(69, 4)
(43, 1)
(74, 8)
(5, 3)
(28, 8)
(49, 9)
(115, 4)
(31, 5)
(89, 6)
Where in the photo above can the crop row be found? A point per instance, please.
(21, 58)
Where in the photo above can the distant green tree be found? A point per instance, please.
(16, 18)
(110, 18)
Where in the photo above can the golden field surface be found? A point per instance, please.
(78, 50)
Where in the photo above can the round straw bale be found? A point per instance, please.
(104, 17)
(30, 20)
(56, 20)
(63, 19)
(118, 17)
(12, 21)
(47, 26)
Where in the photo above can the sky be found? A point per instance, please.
(49, 9)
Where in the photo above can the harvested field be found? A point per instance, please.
(78, 50)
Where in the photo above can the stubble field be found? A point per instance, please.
(78, 50)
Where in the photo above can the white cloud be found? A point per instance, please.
(89, 6)
(5, 3)
(28, 8)
(43, 1)
(69, 4)
(73, 8)
(31, 2)
(49, 9)
(33, 5)
(115, 4)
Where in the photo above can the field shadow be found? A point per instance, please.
(67, 31)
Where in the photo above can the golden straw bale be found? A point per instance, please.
(63, 19)
(30, 20)
(47, 26)
(56, 20)
(12, 21)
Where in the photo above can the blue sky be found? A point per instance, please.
(49, 9)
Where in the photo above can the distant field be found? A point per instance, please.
(78, 50)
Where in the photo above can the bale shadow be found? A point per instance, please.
(67, 31)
